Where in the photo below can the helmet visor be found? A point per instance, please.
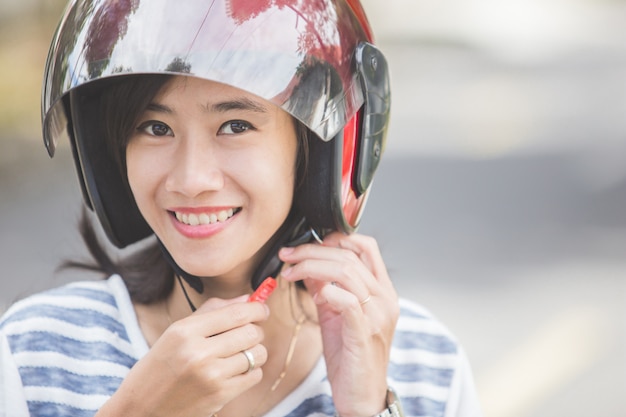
(297, 54)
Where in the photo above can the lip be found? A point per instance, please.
(202, 231)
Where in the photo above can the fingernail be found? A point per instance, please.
(318, 299)
(286, 272)
(286, 251)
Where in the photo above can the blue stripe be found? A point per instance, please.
(322, 403)
(420, 406)
(53, 342)
(425, 341)
(89, 293)
(45, 409)
(79, 317)
(413, 372)
(81, 384)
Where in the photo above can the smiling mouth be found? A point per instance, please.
(200, 219)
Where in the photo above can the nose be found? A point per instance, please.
(196, 168)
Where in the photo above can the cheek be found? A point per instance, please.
(133, 173)
(285, 167)
(285, 189)
(141, 175)
(273, 175)
(269, 181)
(287, 153)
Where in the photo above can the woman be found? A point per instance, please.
(232, 141)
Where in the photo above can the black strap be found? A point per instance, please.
(180, 281)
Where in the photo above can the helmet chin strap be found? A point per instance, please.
(194, 281)
(293, 232)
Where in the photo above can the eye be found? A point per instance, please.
(154, 128)
(235, 127)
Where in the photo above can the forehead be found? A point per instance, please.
(213, 96)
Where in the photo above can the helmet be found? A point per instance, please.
(313, 58)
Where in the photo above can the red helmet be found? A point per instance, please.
(313, 58)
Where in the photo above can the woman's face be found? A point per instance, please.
(212, 171)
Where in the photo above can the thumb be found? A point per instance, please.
(217, 303)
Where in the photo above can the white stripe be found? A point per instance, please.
(415, 308)
(65, 397)
(68, 302)
(424, 357)
(69, 364)
(420, 389)
(90, 285)
(423, 325)
(128, 316)
(313, 385)
(71, 331)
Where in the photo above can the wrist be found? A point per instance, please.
(393, 406)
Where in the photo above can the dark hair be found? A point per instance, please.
(147, 275)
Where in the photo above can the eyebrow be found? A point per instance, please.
(159, 108)
(242, 103)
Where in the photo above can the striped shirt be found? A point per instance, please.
(64, 352)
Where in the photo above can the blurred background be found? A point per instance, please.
(500, 206)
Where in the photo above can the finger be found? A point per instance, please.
(220, 369)
(232, 386)
(240, 383)
(240, 371)
(319, 252)
(315, 251)
(213, 317)
(351, 276)
(365, 247)
(217, 303)
(347, 305)
(339, 299)
(247, 360)
(361, 247)
(235, 340)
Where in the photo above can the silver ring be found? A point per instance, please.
(366, 300)
(250, 357)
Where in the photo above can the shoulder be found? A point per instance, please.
(69, 347)
(67, 319)
(70, 301)
(426, 363)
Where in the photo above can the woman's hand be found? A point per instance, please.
(358, 310)
(197, 365)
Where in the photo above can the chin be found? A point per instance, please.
(202, 270)
(207, 268)
(209, 262)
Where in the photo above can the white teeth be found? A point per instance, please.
(204, 218)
